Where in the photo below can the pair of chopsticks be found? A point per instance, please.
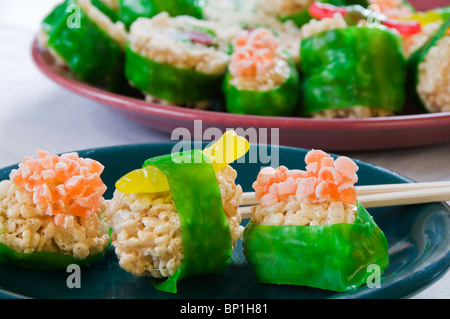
(380, 195)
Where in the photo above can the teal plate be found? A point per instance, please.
(418, 238)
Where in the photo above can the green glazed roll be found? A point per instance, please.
(85, 40)
(348, 68)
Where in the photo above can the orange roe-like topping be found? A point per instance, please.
(63, 185)
(253, 53)
(324, 179)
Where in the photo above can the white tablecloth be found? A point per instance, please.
(37, 113)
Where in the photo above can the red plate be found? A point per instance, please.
(333, 135)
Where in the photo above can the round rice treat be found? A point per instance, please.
(54, 204)
(434, 77)
(146, 227)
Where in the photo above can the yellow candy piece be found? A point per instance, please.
(425, 18)
(150, 179)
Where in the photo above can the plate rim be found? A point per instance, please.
(122, 102)
(425, 281)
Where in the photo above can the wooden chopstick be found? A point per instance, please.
(389, 188)
(380, 195)
(409, 197)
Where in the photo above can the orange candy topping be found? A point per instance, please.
(325, 179)
(253, 53)
(64, 186)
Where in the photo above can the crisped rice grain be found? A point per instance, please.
(304, 214)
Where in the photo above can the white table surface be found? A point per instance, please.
(37, 113)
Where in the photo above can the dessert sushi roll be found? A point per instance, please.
(246, 15)
(131, 10)
(262, 78)
(290, 10)
(177, 60)
(351, 71)
(82, 38)
(52, 212)
(309, 229)
(177, 217)
(429, 71)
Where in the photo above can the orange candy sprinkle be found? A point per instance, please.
(64, 186)
(324, 179)
(253, 53)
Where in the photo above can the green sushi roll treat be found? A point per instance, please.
(309, 230)
(352, 72)
(177, 60)
(81, 37)
(429, 72)
(52, 213)
(262, 79)
(177, 217)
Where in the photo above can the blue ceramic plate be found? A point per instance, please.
(418, 238)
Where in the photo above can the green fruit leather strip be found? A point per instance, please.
(353, 66)
(333, 257)
(169, 82)
(45, 260)
(204, 226)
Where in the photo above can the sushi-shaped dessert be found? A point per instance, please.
(52, 212)
(351, 71)
(309, 229)
(177, 217)
(290, 10)
(430, 21)
(246, 15)
(177, 60)
(262, 78)
(131, 10)
(429, 71)
(82, 38)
